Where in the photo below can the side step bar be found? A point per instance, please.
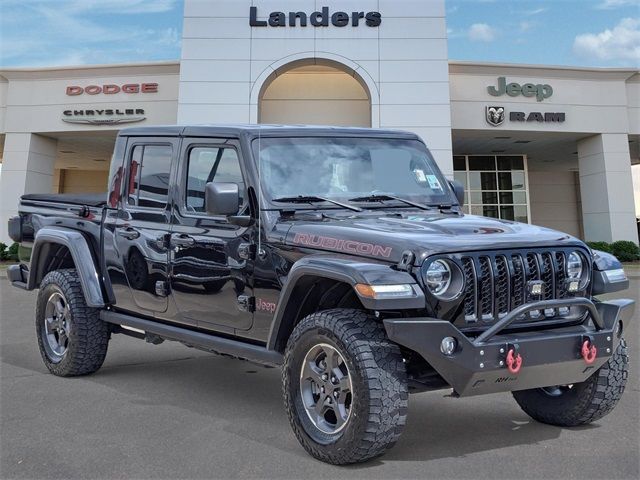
(202, 341)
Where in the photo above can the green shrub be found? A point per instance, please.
(4, 254)
(625, 251)
(602, 246)
(12, 252)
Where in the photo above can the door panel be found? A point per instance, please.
(140, 227)
(207, 273)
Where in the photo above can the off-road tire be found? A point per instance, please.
(378, 375)
(585, 402)
(88, 335)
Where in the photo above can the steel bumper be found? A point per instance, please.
(549, 357)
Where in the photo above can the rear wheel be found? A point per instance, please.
(71, 337)
(345, 386)
(579, 403)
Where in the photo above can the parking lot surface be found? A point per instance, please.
(168, 411)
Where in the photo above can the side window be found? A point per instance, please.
(149, 176)
(211, 164)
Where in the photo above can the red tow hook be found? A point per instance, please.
(588, 352)
(513, 361)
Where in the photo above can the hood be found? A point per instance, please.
(387, 237)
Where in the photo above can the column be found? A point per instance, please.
(27, 167)
(606, 188)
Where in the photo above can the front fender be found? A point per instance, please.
(82, 257)
(351, 272)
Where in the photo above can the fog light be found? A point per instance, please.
(535, 288)
(448, 345)
(573, 286)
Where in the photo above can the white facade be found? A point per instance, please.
(577, 166)
(227, 65)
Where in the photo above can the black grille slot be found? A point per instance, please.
(518, 281)
(502, 286)
(561, 276)
(532, 267)
(485, 302)
(496, 283)
(469, 290)
(547, 276)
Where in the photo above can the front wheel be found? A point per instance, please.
(345, 386)
(580, 403)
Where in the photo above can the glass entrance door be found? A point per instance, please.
(495, 185)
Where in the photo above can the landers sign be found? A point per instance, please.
(317, 19)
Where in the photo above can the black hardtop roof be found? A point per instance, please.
(253, 130)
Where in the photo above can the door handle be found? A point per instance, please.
(182, 241)
(128, 233)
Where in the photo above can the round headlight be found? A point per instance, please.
(574, 266)
(438, 277)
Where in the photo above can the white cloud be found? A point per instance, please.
(78, 32)
(525, 26)
(481, 32)
(610, 4)
(620, 44)
(536, 11)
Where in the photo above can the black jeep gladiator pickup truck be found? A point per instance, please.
(341, 255)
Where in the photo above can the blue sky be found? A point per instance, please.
(561, 32)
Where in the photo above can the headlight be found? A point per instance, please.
(574, 266)
(438, 277)
(443, 279)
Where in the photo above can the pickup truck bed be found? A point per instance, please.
(88, 199)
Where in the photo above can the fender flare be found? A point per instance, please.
(351, 272)
(82, 257)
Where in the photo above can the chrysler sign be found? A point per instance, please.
(104, 116)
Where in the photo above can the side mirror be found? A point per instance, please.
(458, 189)
(221, 198)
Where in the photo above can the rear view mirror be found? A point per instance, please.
(458, 189)
(221, 198)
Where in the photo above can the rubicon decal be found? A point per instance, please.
(104, 116)
(347, 246)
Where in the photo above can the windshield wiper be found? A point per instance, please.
(315, 199)
(386, 197)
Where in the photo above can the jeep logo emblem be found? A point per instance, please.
(513, 89)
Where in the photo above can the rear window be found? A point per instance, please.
(149, 176)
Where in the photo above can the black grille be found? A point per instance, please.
(496, 283)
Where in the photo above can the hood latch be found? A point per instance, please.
(406, 262)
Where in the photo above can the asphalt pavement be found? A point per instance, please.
(168, 411)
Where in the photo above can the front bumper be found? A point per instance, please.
(549, 357)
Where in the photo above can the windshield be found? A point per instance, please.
(347, 168)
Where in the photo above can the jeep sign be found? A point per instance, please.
(513, 89)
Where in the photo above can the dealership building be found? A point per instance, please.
(548, 145)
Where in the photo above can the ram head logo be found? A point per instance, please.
(495, 115)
